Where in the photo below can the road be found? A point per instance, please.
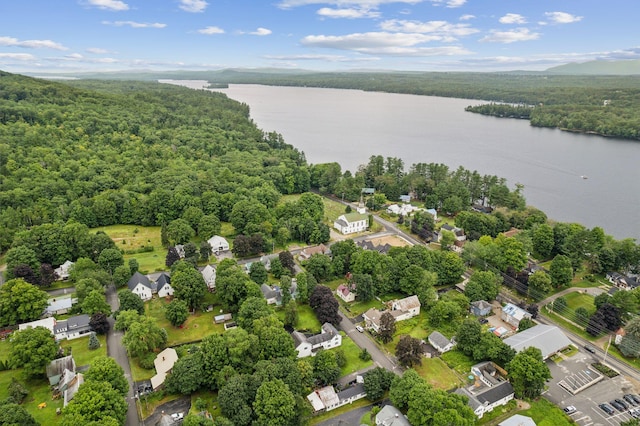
(116, 350)
(61, 291)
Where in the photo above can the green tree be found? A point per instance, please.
(187, 375)
(319, 265)
(129, 302)
(482, 285)
(528, 373)
(177, 312)
(205, 251)
(434, 407)
(143, 336)
(560, 304)
(236, 398)
(84, 286)
(32, 349)
(274, 404)
(377, 382)
(468, 335)
(95, 302)
(208, 226)
(97, 401)
(252, 308)
(325, 305)
(17, 391)
(525, 323)
(543, 241)
(258, 273)
(106, 369)
(121, 275)
(110, 259)
(134, 266)
(409, 351)
(401, 388)
(325, 368)
(291, 314)
(94, 343)
(387, 327)
(561, 271)
(125, 319)
(179, 232)
(539, 285)
(188, 285)
(21, 302)
(20, 255)
(14, 414)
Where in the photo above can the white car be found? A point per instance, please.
(177, 416)
(360, 329)
(570, 409)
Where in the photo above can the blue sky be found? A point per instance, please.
(425, 35)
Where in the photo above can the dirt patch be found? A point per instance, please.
(392, 240)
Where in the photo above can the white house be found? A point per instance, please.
(486, 398)
(403, 210)
(440, 342)
(512, 314)
(351, 223)
(59, 306)
(72, 328)
(48, 323)
(209, 275)
(326, 398)
(409, 306)
(163, 286)
(140, 285)
(62, 271)
(458, 232)
(163, 363)
(345, 294)
(328, 338)
(218, 244)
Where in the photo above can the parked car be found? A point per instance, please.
(607, 408)
(177, 416)
(629, 398)
(360, 329)
(590, 348)
(621, 402)
(615, 404)
(483, 320)
(635, 398)
(635, 413)
(570, 409)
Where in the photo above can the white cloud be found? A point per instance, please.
(134, 24)
(194, 6)
(17, 56)
(211, 30)
(261, 32)
(362, 4)
(31, 44)
(97, 50)
(467, 17)
(447, 31)
(519, 34)
(384, 43)
(116, 5)
(456, 3)
(316, 57)
(513, 18)
(347, 13)
(562, 17)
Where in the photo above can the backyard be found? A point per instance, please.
(39, 392)
(438, 374)
(134, 240)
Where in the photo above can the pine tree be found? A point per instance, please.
(94, 343)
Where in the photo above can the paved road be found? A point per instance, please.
(116, 351)
(363, 341)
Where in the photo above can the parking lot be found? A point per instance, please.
(573, 373)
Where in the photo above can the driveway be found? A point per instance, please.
(61, 291)
(116, 351)
(181, 405)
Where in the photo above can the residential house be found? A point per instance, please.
(481, 209)
(405, 198)
(273, 294)
(512, 314)
(391, 416)
(266, 260)
(458, 232)
(481, 308)
(326, 398)
(62, 271)
(72, 327)
(440, 342)
(140, 285)
(56, 368)
(368, 245)
(164, 363)
(163, 285)
(409, 306)
(345, 293)
(328, 338)
(222, 318)
(403, 210)
(63, 378)
(59, 306)
(218, 244)
(484, 399)
(624, 282)
(209, 275)
(434, 213)
(48, 323)
(351, 223)
(69, 385)
(180, 250)
(401, 310)
(517, 420)
(548, 338)
(307, 252)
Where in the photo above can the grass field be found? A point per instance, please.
(438, 374)
(577, 300)
(352, 352)
(132, 237)
(194, 329)
(39, 392)
(545, 413)
(458, 361)
(307, 320)
(80, 349)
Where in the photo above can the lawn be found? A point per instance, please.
(458, 361)
(5, 349)
(39, 392)
(358, 308)
(577, 300)
(544, 413)
(352, 352)
(438, 374)
(332, 209)
(194, 329)
(138, 373)
(307, 320)
(132, 237)
(80, 349)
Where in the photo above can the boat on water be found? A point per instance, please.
(584, 177)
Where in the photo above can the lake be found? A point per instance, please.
(348, 126)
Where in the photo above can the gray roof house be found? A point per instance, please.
(549, 339)
(487, 398)
(72, 327)
(440, 342)
(273, 294)
(141, 285)
(391, 416)
(481, 308)
(328, 338)
(518, 420)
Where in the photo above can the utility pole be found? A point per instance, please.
(606, 351)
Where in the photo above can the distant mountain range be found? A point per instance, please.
(627, 67)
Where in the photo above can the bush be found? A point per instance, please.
(94, 343)
(17, 392)
(364, 355)
(146, 361)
